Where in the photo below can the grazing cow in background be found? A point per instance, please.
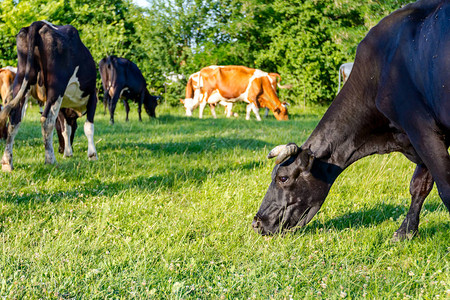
(53, 60)
(238, 83)
(122, 78)
(195, 98)
(7, 75)
(344, 73)
(390, 103)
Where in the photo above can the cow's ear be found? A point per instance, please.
(182, 101)
(306, 160)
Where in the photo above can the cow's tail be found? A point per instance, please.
(189, 89)
(25, 86)
(278, 76)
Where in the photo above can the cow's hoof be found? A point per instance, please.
(402, 236)
(93, 157)
(50, 161)
(67, 155)
(7, 168)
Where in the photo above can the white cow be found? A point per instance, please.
(344, 71)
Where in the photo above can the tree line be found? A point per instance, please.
(303, 40)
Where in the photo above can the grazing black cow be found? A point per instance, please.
(396, 99)
(122, 78)
(53, 61)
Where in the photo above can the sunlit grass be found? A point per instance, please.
(166, 213)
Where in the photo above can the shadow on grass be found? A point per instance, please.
(195, 146)
(367, 218)
(194, 177)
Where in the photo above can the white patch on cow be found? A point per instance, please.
(50, 24)
(48, 124)
(12, 69)
(214, 67)
(7, 159)
(68, 152)
(73, 95)
(89, 132)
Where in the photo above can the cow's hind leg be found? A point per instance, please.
(420, 187)
(13, 127)
(48, 120)
(7, 159)
(127, 108)
(89, 127)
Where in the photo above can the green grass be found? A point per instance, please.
(166, 213)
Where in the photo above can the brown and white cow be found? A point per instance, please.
(239, 83)
(7, 75)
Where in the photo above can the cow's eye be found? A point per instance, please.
(284, 178)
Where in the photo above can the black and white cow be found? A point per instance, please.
(53, 61)
(121, 78)
(397, 98)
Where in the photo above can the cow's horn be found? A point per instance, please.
(283, 152)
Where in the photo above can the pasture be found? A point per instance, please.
(166, 213)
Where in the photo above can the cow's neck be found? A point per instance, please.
(352, 128)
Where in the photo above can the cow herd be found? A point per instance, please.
(397, 98)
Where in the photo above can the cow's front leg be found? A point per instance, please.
(256, 111)
(213, 110)
(420, 187)
(7, 159)
(67, 132)
(201, 109)
(141, 101)
(248, 111)
(48, 120)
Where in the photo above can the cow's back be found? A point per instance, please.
(230, 81)
(413, 41)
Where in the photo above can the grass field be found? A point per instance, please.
(166, 213)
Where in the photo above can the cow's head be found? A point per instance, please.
(281, 112)
(150, 104)
(300, 184)
(190, 104)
